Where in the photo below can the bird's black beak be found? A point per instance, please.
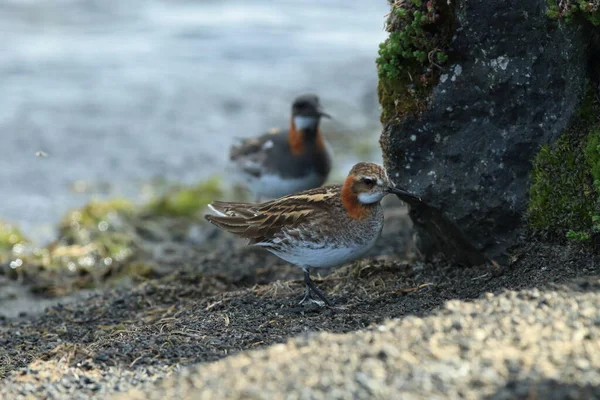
(403, 193)
(323, 113)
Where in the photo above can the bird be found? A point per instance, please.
(317, 228)
(282, 162)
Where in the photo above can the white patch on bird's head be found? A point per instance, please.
(370, 197)
(302, 122)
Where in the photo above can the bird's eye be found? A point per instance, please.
(370, 182)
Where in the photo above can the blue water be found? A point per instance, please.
(118, 93)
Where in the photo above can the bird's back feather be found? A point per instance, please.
(263, 222)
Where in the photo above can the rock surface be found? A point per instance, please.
(514, 82)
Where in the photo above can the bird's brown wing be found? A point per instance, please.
(264, 222)
(250, 154)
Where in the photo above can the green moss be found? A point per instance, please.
(410, 59)
(562, 194)
(572, 9)
(96, 229)
(565, 190)
(578, 236)
(12, 244)
(592, 155)
(10, 235)
(97, 211)
(186, 202)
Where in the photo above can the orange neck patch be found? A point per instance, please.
(295, 139)
(350, 202)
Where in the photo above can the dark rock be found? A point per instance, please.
(515, 81)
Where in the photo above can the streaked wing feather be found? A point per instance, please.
(277, 219)
(233, 209)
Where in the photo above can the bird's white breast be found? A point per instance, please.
(323, 256)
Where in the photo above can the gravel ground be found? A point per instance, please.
(427, 329)
(528, 344)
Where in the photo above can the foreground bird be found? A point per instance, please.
(318, 228)
(281, 163)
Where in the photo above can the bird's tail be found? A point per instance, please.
(233, 209)
(235, 225)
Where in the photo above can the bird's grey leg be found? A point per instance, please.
(311, 287)
(307, 296)
(257, 198)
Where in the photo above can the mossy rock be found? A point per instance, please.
(512, 84)
(106, 242)
(411, 58)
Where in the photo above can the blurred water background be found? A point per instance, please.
(123, 94)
